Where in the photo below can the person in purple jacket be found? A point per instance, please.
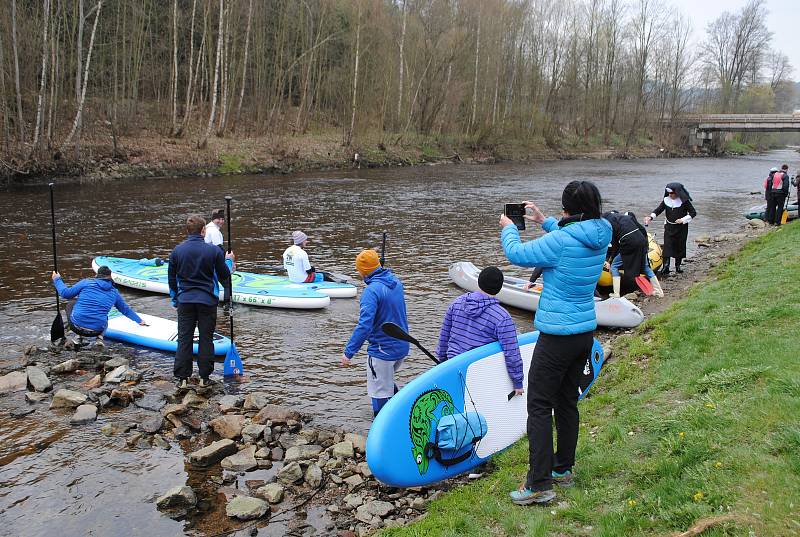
(477, 318)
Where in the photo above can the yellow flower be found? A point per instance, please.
(698, 496)
(717, 464)
(682, 435)
(710, 405)
(631, 503)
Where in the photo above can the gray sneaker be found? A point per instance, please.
(526, 496)
(99, 342)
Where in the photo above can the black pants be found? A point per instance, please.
(775, 205)
(553, 388)
(84, 332)
(204, 318)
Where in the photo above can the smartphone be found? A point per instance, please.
(516, 212)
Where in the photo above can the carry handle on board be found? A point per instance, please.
(393, 330)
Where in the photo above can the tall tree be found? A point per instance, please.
(220, 38)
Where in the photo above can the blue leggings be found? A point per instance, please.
(616, 264)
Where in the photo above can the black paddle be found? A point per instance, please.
(57, 329)
(233, 362)
(383, 257)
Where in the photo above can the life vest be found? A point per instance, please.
(776, 183)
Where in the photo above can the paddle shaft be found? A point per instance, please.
(383, 249)
(53, 229)
(230, 249)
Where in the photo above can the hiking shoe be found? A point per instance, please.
(99, 342)
(565, 479)
(183, 384)
(526, 496)
(205, 382)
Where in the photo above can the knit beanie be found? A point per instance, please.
(298, 237)
(367, 262)
(104, 272)
(490, 280)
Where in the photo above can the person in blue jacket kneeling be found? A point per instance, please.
(382, 301)
(571, 252)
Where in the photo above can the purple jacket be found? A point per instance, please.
(476, 319)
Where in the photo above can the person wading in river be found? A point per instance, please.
(93, 298)
(571, 252)
(195, 271)
(678, 212)
(213, 233)
(296, 262)
(382, 301)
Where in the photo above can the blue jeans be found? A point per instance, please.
(616, 264)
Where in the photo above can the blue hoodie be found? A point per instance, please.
(195, 270)
(572, 258)
(96, 297)
(382, 301)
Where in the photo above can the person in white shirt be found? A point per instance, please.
(296, 262)
(213, 229)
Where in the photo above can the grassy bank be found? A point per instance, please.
(695, 424)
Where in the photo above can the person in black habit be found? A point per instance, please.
(678, 212)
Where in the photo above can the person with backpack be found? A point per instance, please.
(776, 189)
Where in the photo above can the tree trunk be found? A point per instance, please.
(3, 104)
(43, 82)
(475, 79)
(402, 65)
(79, 71)
(79, 113)
(204, 142)
(225, 79)
(244, 64)
(20, 119)
(349, 139)
(174, 86)
(189, 79)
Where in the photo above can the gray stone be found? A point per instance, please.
(326, 438)
(228, 426)
(353, 500)
(161, 442)
(256, 401)
(291, 473)
(363, 515)
(122, 373)
(133, 439)
(67, 399)
(16, 381)
(309, 436)
(213, 453)
(302, 453)
(173, 409)
(182, 433)
(277, 454)
(756, 223)
(251, 433)
(35, 397)
(272, 492)
(242, 461)
(379, 508)
(84, 414)
(264, 464)
(103, 401)
(343, 450)
(193, 400)
(229, 403)
(359, 441)
(151, 402)
(152, 425)
(115, 363)
(275, 414)
(180, 497)
(313, 476)
(363, 469)
(262, 453)
(246, 508)
(69, 366)
(353, 481)
(38, 379)
(418, 503)
(111, 429)
(22, 412)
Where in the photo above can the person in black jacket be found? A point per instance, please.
(678, 212)
(195, 270)
(776, 190)
(628, 250)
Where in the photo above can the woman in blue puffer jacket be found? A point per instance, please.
(571, 252)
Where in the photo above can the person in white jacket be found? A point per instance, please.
(297, 263)
(213, 233)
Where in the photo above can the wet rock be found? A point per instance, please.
(177, 498)
(151, 402)
(104, 401)
(122, 373)
(313, 476)
(308, 436)
(84, 414)
(343, 450)
(353, 500)
(756, 223)
(272, 492)
(35, 397)
(94, 382)
(111, 429)
(354, 481)
(213, 453)
(114, 363)
(22, 412)
(275, 414)
(152, 424)
(161, 442)
(418, 503)
(230, 403)
(194, 423)
(133, 439)
(256, 401)
(173, 409)
(262, 453)
(293, 425)
(302, 453)
(38, 379)
(359, 441)
(251, 433)
(379, 508)
(291, 473)
(336, 479)
(326, 438)
(277, 454)
(182, 433)
(242, 461)
(246, 508)
(16, 381)
(69, 366)
(363, 469)
(67, 399)
(193, 400)
(264, 464)
(229, 426)
(121, 397)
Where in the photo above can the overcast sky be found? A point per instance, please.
(783, 18)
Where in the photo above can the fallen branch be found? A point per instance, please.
(707, 523)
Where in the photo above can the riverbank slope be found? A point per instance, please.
(693, 426)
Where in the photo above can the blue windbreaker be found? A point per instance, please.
(96, 297)
(572, 258)
(195, 270)
(382, 301)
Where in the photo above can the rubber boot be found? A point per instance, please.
(616, 283)
(664, 267)
(657, 290)
(678, 268)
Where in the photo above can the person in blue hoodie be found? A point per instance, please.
(383, 300)
(195, 271)
(477, 318)
(87, 315)
(571, 252)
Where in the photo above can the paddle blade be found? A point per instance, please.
(784, 217)
(393, 330)
(57, 329)
(233, 363)
(644, 284)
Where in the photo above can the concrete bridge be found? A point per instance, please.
(707, 123)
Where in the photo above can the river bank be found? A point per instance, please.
(154, 155)
(692, 428)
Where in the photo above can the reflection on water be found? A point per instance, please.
(433, 215)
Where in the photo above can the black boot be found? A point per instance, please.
(664, 271)
(678, 268)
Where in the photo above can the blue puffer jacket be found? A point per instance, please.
(96, 297)
(382, 301)
(572, 258)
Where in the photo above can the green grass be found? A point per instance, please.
(697, 417)
(734, 146)
(230, 164)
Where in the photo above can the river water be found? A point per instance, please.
(82, 483)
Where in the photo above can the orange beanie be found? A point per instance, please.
(367, 261)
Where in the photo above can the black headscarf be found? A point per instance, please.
(680, 190)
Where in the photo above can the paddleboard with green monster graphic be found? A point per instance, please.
(422, 421)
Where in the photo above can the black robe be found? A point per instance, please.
(628, 240)
(675, 234)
